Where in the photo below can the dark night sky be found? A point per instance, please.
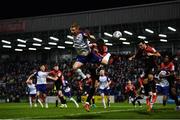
(32, 8)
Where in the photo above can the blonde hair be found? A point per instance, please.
(75, 25)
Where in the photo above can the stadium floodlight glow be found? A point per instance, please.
(18, 50)
(163, 40)
(162, 35)
(54, 38)
(149, 31)
(172, 29)
(21, 45)
(123, 39)
(5, 41)
(142, 37)
(32, 48)
(127, 32)
(108, 34)
(61, 47)
(126, 43)
(52, 43)
(108, 44)
(20, 40)
(70, 37)
(146, 41)
(105, 40)
(36, 44)
(6, 46)
(47, 48)
(68, 42)
(37, 39)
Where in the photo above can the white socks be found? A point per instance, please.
(79, 71)
(72, 99)
(40, 103)
(30, 101)
(46, 103)
(103, 101)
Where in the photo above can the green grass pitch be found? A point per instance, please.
(116, 111)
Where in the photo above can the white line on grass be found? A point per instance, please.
(87, 113)
(102, 112)
(119, 106)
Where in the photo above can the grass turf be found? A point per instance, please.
(116, 111)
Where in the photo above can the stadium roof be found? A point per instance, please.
(32, 8)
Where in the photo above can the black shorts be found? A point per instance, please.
(150, 66)
(87, 89)
(131, 94)
(171, 80)
(150, 87)
(58, 85)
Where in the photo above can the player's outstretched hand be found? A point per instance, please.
(130, 58)
(149, 54)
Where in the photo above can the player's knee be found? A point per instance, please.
(173, 91)
(75, 67)
(102, 95)
(37, 94)
(44, 95)
(104, 61)
(150, 93)
(60, 94)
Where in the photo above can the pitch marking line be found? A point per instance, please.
(87, 113)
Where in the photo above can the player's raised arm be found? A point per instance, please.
(90, 37)
(29, 78)
(132, 57)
